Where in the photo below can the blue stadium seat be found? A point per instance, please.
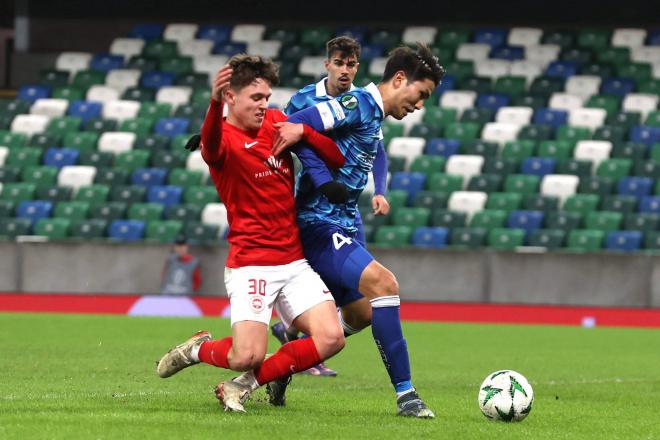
(146, 31)
(34, 210)
(561, 69)
(85, 110)
(509, 53)
(538, 166)
(148, 176)
(32, 92)
(356, 32)
(411, 182)
(653, 38)
(448, 83)
(617, 86)
(635, 186)
(643, 134)
(435, 237)
(650, 204)
(529, 221)
(371, 51)
(627, 241)
(156, 80)
(230, 48)
(59, 157)
(493, 100)
(551, 117)
(214, 32)
(493, 36)
(165, 195)
(442, 147)
(105, 62)
(126, 230)
(171, 127)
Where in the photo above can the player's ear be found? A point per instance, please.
(399, 79)
(326, 63)
(230, 96)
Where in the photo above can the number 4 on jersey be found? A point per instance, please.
(339, 240)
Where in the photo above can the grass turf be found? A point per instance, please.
(89, 376)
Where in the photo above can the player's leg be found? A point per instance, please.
(355, 316)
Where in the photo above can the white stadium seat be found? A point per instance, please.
(583, 85)
(409, 120)
(180, 31)
(30, 124)
(559, 185)
(370, 187)
(408, 147)
(120, 110)
(628, 37)
(423, 34)
(281, 96)
(542, 53)
(248, 32)
(195, 162)
(564, 101)
(266, 48)
(468, 202)
(472, 51)
(116, 141)
(76, 176)
(216, 214)
(174, 95)
(529, 69)
(312, 66)
(51, 107)
(591, 118)
(4, 151)
(102, 94)
(377, 66)
(519, 36)
(500, 132)
(465, 165)
(458, 99)
(645, 54)
(595, 151)
(194, 48)
(127, 47)
(209, 64)
(492, 68)
(640, 102)
(122, 79)
(73, 61)
(514, 115)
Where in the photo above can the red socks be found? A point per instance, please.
(292, 357)
(215, 352)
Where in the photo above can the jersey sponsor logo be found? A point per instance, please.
(349, 102)
(366, 160)
(277, 166)
(250, 145)
(339, 112)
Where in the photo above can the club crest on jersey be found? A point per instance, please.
(274, 163)
(257, 304)
(349, 102)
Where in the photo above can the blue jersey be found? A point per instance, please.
(355, 119)
(309, 96)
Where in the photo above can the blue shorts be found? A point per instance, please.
(338, 257)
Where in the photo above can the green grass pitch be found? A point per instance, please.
(93, 377)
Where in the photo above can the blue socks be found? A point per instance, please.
(386, 329)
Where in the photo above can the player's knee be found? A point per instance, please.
(330, 341)
(389, 285)
(245, 360)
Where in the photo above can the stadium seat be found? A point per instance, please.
(581, 203)
(164, 194)
(645, 222)
(44, 141)
(29, 124)
(52, 228)
(504, 201)
(148, 176)
(126, 230)
(579, 168)
(128, 193)
(13, 227)
(108, 211)
(34, 210)
(640, 134)
(54, 193)
(127, 47)
(171, 126)
(186, 213)
(173, 95)
(393, 236)
(414, 217)
(39, 175)
(640, 103)
(619, 203)
(612, 134)
(433, 237)
(538, 166)
(564, 101)
(505, 238)
(594, 151)
(485, 182)
(540, 202)
(599, 185)
(216, 214)
(23, 157)
(614, 168)
(85, 110)
(448, 219)
(527, 221)
(514, 115)
(442, 147)
(103, 94)
(200, 195)
(583, 85)
(120, 110)
(477, 147)
(488, 219)
(558, 150)
(458, 100)
(443, 182)
(411, 182)
(603, 220)
(18, 191)
(51, 107)
(145, 212)
(428, 164)
(196, 47)
(140, 94)
(429, 199)
(518, 150)
(93, 194)
(163, 231)
(521, 183)
(548, 238)
(468, 237)
(97, 159)
(60, 157)
(591, 118)
(627, 241)
(32, 93)
(116, 142)
(585, 240)
(468, 202)
(650, 204)
(406, 147)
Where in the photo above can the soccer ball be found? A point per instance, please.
(506, 395)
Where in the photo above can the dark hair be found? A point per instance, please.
(247, 68)
(346, 46)
(417, 64)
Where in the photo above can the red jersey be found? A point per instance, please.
(256, 188)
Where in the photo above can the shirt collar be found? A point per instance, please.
(373, 90)
(321, 90)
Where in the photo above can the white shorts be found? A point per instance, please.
(291, 289)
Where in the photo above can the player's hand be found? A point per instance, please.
(193, 142)
(221, 82)
(288, 134)
(380, 205)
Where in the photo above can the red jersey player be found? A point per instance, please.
(265, 268)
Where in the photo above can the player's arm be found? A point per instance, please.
(211, 135)
(379, 203)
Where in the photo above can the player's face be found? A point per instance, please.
(410, 96)
(341, 72)
(248, 105)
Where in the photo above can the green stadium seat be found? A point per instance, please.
(614, 168)
(396, 164)
(201, 96)
(643, 221)
(142, 63)
(397, 198)
(463, 131)
(24, 157)
(452, 37)
(559, 150)
(128, 193)
(430, 199)
(393, 236)
(75, 210)
(88, 229)
(198, 233)
(53, 228)
(479, 84)
(440, 116)
(428, 164)
(536, 133)
(519, 150)
(45, 140)
(179, 65)
(139, 94)
(108, 211)
(595, 39)
(169, 159)
(585, 240)
(627, 120)
(488, 219)
(160, 49)
(504, 201)
(614, 134)
(179, 142)
(146, 211)
(460, 68)
(533, 101)
(510, 85)
(64, 125)
(563, 220)
(601, 186)
(651, 86)
(485, 182)
(539, 202)
(391, 130)
(546, 86)
(613, 55)
(607, 102)
(581, 203)
(163, 231)
(426, 131)
(81, 141)
(155, 110)
(54, 193)
(640, 72)
(185, 213)
(446, 183)
(13, 140)
(579, 56)
(573, 134)
(522, 183)
(10, 174)
(284, 35)
(53, 78)
(200, 195)
(654, 152)
(93, 194)
(84, 79)
(7, 208)
(564, 39)
(18, 191)
(190, 110)
(653, 119)
(139, 126)
(548, 238)
(506, 239)
(70, 93)
(13, 227)
(448, 219)
(651, 240)
(500, 166)
(99, 125)
(647, 168)
(468, 237)
(40, 175)
(619, 203)
(132, 160)
(603, 220)
(481, 148)
(413, 217)
(98, 159)
(580, 168)
(185, 178)
(316, 36)
(153, 142)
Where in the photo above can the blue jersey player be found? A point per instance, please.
(329, 231)
(342, 62)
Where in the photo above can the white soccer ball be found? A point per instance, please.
(506, 395)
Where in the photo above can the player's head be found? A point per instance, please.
(250, 89)
(181, 245)
(410, 77)
(341, 64)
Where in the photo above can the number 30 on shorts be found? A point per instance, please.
(257, 287)
(339, 240)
